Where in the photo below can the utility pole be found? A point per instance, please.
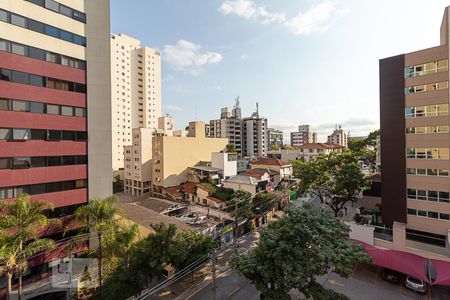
(69, 294)
(213, 261)
(235, 219)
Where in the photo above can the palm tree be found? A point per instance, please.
(21, 222)
(101, 215)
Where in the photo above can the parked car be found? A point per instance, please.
(415, 284)
(391, 276)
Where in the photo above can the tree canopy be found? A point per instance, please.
(335, 178)
(303, 244)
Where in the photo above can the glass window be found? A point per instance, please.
(411, 193)
(432, 195)
(412, 211)
(432, 172)
(52, 57)
(79, 16)
(20, 77)
(80, 112)
(18, 20)
(422, 213)
(68, 160)
(421, 172)
(53, 187)
(443, 172)
(81, 159)
(65, 10)
(5, 163)
(67, 111)
(410, 130)
(53, 161)
(38, 161)
(411, 171)
(5, 134)
(36, 107)
(6, 193)
(442, 129)
(67, 36)
(37, 189)
(38, 2)
(39, 134)
(79, 40)
(443, 197)
(444, 216)
(18, 49)
(54, 135)
(5, 46)
(37, 80)
(67, 185)
(64, 85)
(442, 85)
(68, 135)
(4, 104)
(4, 16)
(52, 109)
(64, 61)
(409, 112)
(421, 153)
(81, 136)
(432, 214)
(20, 105)
(79, 88)
(52, 31)
(443, 109)
(442, 65)
(50, 4)
(21, 134)
(36, 26)
(443, 153)
(421, 195)
(21, 162)
(36, 53)
(80, 183)
(5, 75)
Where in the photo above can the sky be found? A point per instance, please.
(304, 61)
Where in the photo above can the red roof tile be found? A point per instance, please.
(270, 162)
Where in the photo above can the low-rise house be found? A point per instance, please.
(283, 167)
(250, 184)
(264, 174)
(204, 173)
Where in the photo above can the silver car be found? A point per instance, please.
(415, 284)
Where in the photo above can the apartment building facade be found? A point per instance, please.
(228, 126)
(135, 91)
(174, 155)
(306, 152)
(338, 137)
(55, 105)
(415, 139)
(275, 137)
(254, 136)
(303, 136)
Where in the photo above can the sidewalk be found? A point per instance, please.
(190, 285)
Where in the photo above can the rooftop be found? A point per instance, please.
(270, 162)
(242, 179)
(258, 172)
(206, 169)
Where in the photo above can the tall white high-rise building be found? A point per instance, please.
(135, 91)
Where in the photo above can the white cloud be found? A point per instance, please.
(187, 56)
(172, 107)
(316, 19)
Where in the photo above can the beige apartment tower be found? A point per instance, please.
(135, 91)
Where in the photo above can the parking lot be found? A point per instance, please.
(366, 283)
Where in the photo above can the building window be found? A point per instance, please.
(426, 87)
(427, 68)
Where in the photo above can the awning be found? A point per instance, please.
(408, 263)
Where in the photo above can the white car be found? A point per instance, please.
(415, 284)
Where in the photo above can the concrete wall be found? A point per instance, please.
(99, 98)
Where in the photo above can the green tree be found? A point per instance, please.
(101, 215)
(263, 202)
(347, 180)
(231, 148)
(275, 147)
(117, 184)
(21, 223)
(303, 244)
(314, 176)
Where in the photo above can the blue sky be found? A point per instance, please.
(305, 62)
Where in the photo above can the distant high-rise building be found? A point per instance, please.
(135, 91)
(228, 126)
(254, 135)
(248, 135)
(303, 136)
(275, 137)
(338, 137)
